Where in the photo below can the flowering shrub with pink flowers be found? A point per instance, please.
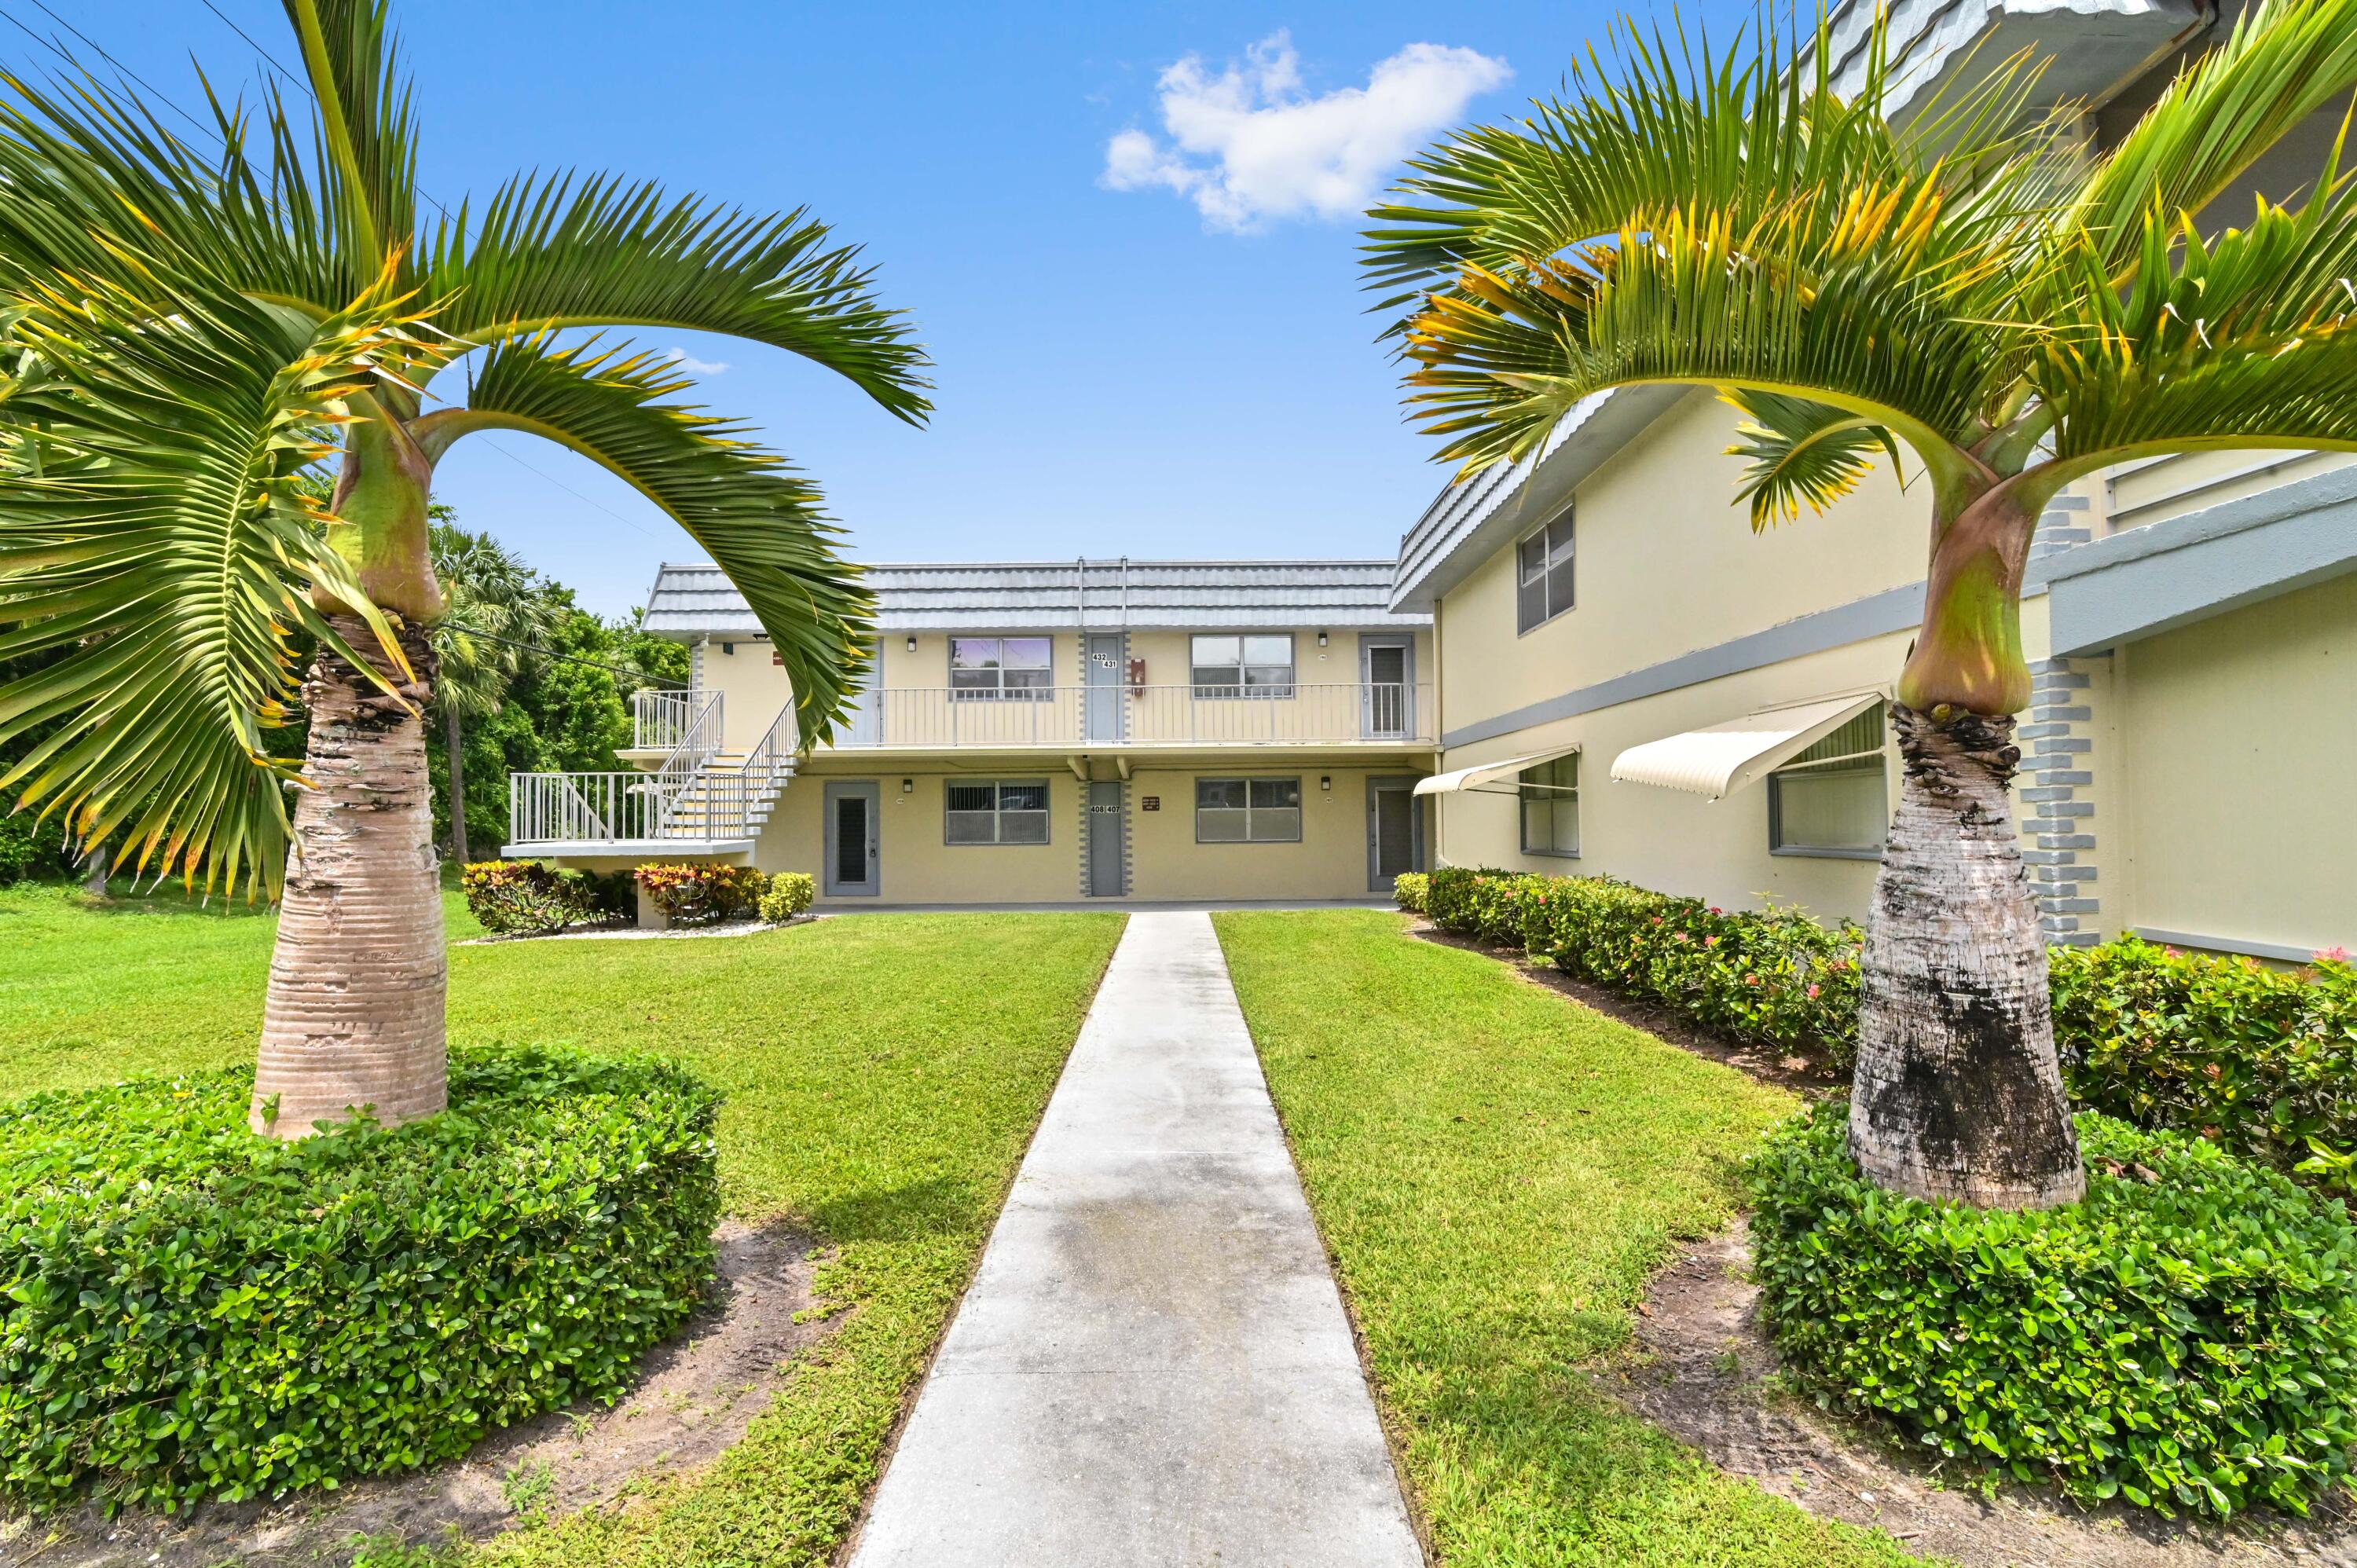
(2258, 1060)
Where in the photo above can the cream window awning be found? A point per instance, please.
(1725, 757)
(1486, 772)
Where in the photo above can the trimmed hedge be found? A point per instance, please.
(694, 894)
(2263, 1061)
(2184, 1339)
(1410, 889)
(190, 1312)
(524, 896)
(1776, 978)
(789, 893)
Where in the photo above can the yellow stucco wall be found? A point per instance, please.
(2237, 743)
(1666, 562)
(916, 865)
(1331, 861)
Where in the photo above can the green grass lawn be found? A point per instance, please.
(880, 1095)
(1496, 1170)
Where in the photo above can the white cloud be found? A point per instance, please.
(1248, 145)
(693, 365)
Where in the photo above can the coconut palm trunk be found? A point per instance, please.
(354, 1013)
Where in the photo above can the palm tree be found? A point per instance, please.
(205, 308)
(2017, 316)
(498, 608)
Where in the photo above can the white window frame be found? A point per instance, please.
(1549, 569)
(1530, 792)
(1298, 808)
(1860, 760)
(999, 691)
(999, 812)
(1242, 689)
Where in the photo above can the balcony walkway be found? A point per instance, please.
(1152, 1367)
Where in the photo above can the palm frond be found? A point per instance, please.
(1802, 454)
(602, 251)
(2249, 338)
(174, 560)
(367, 132)
(2284, 61)
(762, 523)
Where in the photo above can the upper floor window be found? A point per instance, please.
(1019, 669)
(1242, 666)
(1007, 812)
(1543, 575)
(1550, 793)
(1247, 810)
(1834, 799)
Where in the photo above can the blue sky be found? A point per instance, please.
(1180, 367)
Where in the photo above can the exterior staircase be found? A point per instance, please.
(703, 798)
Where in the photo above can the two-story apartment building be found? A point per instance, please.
(1034, 734)
(1632, 682)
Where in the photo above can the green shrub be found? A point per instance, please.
(692, 892)
(524, 896)
(789, 893)
(1773, 977)
(2263, 1060)
(1409, 889)
(2184, 1339)
(188, 1311)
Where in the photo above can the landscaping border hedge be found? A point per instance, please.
(2263, 1061)
(188, 1311)
(2184, 1339)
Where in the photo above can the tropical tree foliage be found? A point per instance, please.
(2016, 314)
(188, 318)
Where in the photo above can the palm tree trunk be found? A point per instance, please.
(1957, 1093)
(354, 1013)
(450, 743)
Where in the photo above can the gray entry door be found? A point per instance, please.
(1394, 832)
(1383, 671)
(851, 830)
(1107, 826)
(1103, 677)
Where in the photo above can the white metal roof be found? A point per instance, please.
(697, 599)
(1725, 757)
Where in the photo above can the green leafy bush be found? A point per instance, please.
(2263, 1060)
(690, 893)
(2185, 1338)
(789, 893)
(1409, 889)
(524, 896)
(1774, 977)
(188, 1311)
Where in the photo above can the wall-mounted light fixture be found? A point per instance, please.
(727, 648)
(1325, 781)
(1321, 640)
(912, 642)
(907, 786)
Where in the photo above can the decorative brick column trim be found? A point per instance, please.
(2057, 822)
(2065, 522)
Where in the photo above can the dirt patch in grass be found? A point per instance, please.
(1802, 1074)
(697, 1393)
(1703, 1370)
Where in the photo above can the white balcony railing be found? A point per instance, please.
(718, 798)
(1306, 713)
(660, 720)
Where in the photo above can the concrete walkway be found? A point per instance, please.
(1152, 1367)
